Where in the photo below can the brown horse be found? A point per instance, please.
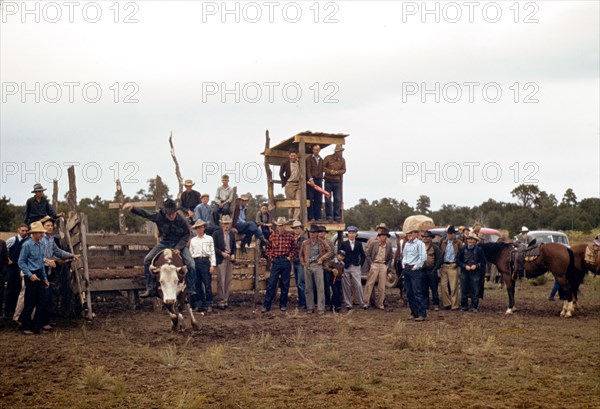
(502, 254)
(560, 261)
(581, 263)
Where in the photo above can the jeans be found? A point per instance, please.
(469, 287)
(431, 281)
(413, 283)
(555, 289)
(300, 283)
(215, 211)
(316, 200)
(327, 288)
(280, 266)
(190, 277)
(335, 188)
(35, 298)
(203, 284)
(249, 229)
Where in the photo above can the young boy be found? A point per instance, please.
(335, 270)
(263, 220)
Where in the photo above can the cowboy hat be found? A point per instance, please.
(36, 227)
(245, 197)
(338, 148)
(188, 182)
(204, 195)
(199, 223)
(45, 219)
(384, 232)
(381, 226)
(472, 236)
(313, 228)
(280, 221)
(226, 219)
(427, 233)
(38, 188)
(451, 230)
(297, 223)
(524, 229)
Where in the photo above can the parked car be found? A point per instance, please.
(364, 236)
(549, 236)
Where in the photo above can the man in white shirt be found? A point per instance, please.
(202, 248)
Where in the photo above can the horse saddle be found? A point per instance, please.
(533, 250)
(591, 252)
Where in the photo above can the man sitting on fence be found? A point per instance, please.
(244, 226)
(38, 206)
(174, 233)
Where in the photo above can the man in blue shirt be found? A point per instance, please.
(245, 227)
(414, 256)
(31, 262)
(202, 212)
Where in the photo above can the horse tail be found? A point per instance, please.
(571, 271)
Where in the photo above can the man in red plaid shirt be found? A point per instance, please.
(282, 249)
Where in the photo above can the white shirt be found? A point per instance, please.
(203, 247)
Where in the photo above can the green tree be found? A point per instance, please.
(569, 198)
(526, 194)
(7, 214)
(423, 204)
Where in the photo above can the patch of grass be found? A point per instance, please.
(169, 357)
(299, 338)
(541, 280)
(521, 361)
(213, 358)
(95, 378)
(262, 341)
(422, 341)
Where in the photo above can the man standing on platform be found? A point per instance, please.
(289, 173)
(223, 200)
(314, 178)
(282, 249)
(334, 167)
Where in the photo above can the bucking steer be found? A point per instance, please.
(172, 287)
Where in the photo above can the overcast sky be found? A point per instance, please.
(517, 91)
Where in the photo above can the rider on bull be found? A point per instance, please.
(174, 233)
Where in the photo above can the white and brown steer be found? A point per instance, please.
(172, 287)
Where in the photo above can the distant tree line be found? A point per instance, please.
(534, 208)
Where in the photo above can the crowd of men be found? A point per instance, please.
(204, 235)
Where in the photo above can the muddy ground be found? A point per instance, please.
(240, 358)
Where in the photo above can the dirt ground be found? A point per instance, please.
(240, 358)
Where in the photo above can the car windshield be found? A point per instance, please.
(560, 239)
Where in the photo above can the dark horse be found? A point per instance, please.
(560, 261)
(503, 254)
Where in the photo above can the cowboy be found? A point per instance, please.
(53, 253)
(174, 233)
(223, 200)
(523, 237)
(298, 269)
(38, 206)
(380, 255)
(414, 256)
(245, 227)
(202, 212)
(314, 178)
(353, 261)
(282, 249)
(31, 262)
(430, 270)
(335, 269)
(14, 279)
(189, 199)
(334, 167)
(225, 248)
(313, 253)
(202, 248)
(449, 247)
(471, 261)
(289, 173)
